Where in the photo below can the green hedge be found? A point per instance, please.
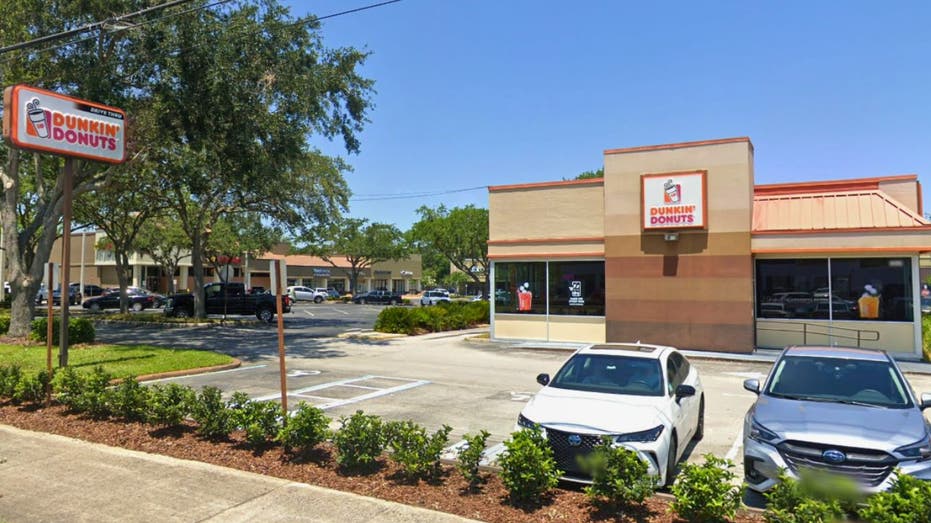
(441, 317)
(926, 337)
(80, 330)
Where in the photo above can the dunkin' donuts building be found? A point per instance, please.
(676, 245)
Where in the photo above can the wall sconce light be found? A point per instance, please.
(671, 236)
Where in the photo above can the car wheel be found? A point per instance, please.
(137, 307)
(95, 307)
(671, 462)
(362, 301)
(393, 302)
(700, 426)
(318, 299)
(265, 315)
(182, 313)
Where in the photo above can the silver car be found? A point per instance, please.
(843, 410)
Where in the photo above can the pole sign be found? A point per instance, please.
(674, 200)
(49, 122)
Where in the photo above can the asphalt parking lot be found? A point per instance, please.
(433, 380)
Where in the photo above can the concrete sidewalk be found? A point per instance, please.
(45, 477)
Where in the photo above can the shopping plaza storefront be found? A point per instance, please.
(676, 245)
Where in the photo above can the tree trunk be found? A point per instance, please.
(122, 277)
(197, 263)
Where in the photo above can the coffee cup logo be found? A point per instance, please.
(37, 118)
(673, 192)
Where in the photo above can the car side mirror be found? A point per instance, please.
(925, 401)
(543, 379)
(753, 385)
(684, 391)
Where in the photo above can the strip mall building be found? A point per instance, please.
(676, 245)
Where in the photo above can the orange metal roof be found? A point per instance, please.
(818, 211)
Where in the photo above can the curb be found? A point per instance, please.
(236, 363)
(177, 325)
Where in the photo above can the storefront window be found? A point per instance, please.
(520, 287)
(577, 288)
(859, 289)
(873, 288)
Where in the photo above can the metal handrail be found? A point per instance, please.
(831, 331)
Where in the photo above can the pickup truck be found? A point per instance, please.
(227, 298)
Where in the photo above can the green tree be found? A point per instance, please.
(238, 236)
(238, 92)
(164, 240)
(361, 244)
(120, 209)
(585, 175)
(460, 235)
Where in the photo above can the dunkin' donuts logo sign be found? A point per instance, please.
(674, 200)
(46, 121)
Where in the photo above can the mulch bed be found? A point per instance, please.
(449, 494)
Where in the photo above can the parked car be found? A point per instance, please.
(647, 398)
(382, 296)
(333, 293)
(842, 410)
(434, 297)
(74, 296)
(299, 292)
(228, 298)
(257, 290)
(138, 301)
(89, 290)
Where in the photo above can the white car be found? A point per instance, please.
(298, 293)
(433, 297)
(648, 398)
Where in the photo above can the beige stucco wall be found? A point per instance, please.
(898, 337)
(903, 191)
(575, 249)
(519, 327)
(548, 211)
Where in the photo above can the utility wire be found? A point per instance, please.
(404, 196)
(89, 27)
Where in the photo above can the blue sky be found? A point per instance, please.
(483, 92)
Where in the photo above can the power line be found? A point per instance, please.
(405, 196)
(89, 27)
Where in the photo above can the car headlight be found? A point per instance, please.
(920, 450)
(762, 434)
(642, 436)
(524, 422)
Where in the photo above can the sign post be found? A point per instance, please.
(48, 335)
(282, 368)
(49, 122)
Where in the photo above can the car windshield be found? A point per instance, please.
(610, 374)
(841, 380)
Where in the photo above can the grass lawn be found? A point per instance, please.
(118, 360)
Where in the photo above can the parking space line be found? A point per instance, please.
(738, 442)
(359, 386)
(309, 396)
(309, 313)
(314, 387)
(373, 395)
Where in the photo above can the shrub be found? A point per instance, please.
(31, 388)
(307, 428)
(69, 386)
(5, 320)
(793, 501)
(908, 501)
(528, 469)
(10, 375)
(214, 419)
(705, 492)
(618, 475)
(129, 400)
(80, 330)
(444, 316)
(168, 405)
(417, 453)
(94, 397)
(359, 440)
(394, 320)
(470, 457)
(259, 419)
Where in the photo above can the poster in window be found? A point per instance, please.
(575, 294)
